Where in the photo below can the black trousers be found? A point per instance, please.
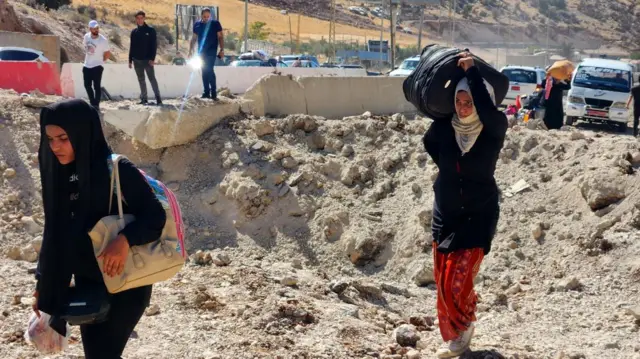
(636, 113)
(142, 66)
(108, 339)
(92, 83)
(209, 76)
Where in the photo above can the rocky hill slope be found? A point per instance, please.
(309, 238)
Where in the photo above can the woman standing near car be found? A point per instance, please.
(465, 210)
(74, 159)
(554, 111)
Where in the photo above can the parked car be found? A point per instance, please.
(350, 66)
(358, 10)
(599, 92)
(287, 58)
(406, 67)
(257, 63)
(21, 54)
(523, 80)
(305, 63)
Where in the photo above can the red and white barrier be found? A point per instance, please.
(23, 76)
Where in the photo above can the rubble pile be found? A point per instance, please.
(309, 238)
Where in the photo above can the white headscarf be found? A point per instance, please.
(468, 129)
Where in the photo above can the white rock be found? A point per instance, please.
(536, 231)
(263, 128)
(31, 226)
(152, 310)
(421, 272)
(29, 254)
(14, 253)
(9, 173)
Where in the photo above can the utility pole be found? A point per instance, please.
(546, 58)
(381, 34)
(290, 35)
(246, 25)
(498, 49)
(453, 24)
(394, 16)
(332, 33)
(420, 30)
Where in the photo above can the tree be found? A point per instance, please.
(257, 31)
(466, 11)
(53, 4)
(567, 51)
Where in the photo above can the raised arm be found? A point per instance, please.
(562, 85)
(493, 120)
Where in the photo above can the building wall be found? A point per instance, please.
(49, 44)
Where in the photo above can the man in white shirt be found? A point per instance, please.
(96, 49)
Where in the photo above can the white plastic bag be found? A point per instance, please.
(43, 337)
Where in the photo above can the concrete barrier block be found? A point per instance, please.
(166, 127)
(277, 95)
(24, 77)
(331, 97)
(348, 96)
(178, 81)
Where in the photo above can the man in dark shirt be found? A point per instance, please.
(207, 33)
(635, 97)
(142, 56)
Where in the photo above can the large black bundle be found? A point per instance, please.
(432, 84)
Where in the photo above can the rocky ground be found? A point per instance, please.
(309, 238)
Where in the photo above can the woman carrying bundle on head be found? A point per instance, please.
(465, 210)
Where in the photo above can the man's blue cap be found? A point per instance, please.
(93, 24)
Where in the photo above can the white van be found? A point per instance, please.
(407, 67)
(523, 80)
(599, 92)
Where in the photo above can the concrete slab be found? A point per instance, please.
(331, 97)
(162, 127)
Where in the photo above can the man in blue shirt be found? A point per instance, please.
(207, 33)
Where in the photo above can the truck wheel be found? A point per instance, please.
(570, 121)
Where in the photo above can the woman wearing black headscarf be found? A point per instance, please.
(554, 112)
(75, 177)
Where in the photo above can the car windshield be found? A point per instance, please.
(602, 78)
(17, 55)
(521, 76)
(409, 65)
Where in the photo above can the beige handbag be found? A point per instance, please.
(146, 264)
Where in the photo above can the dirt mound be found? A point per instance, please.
(310, 239)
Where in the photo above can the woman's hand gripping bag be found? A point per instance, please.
(44, 338)
(431, 86)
